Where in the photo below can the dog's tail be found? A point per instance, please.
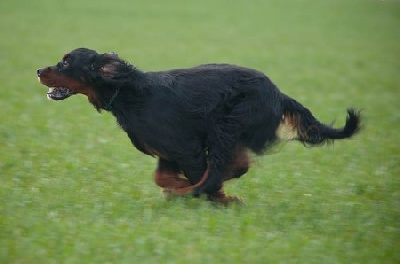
(303, 126)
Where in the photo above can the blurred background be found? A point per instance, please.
(73, 189)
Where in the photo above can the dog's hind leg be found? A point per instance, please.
(222, 144)
(239, 165)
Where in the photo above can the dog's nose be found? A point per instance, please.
(40, 71)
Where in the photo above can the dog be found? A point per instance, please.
(199, 122)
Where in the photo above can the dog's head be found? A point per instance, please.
(84, 71)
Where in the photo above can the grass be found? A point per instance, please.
(73, 190)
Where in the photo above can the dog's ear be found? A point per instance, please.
(110, 65)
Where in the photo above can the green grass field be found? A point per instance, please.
(73, 189)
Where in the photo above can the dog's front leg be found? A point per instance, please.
(167, 175)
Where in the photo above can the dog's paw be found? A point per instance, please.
(221, 198)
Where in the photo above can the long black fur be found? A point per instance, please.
(195, 118)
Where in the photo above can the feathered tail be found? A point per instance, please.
(312, 132)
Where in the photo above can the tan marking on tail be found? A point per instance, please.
(287, 129)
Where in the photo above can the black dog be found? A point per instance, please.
(200, 121)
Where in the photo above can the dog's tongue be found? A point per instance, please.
(58, 93)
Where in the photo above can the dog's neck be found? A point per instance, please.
(109, 90)
(109, 105)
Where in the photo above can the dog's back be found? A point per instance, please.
(227, 98)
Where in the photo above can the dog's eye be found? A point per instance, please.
(65, 64)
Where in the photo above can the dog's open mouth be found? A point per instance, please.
(59, 93)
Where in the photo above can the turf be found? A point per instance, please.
(73, 190)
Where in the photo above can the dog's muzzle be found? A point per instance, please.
(55, 92)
